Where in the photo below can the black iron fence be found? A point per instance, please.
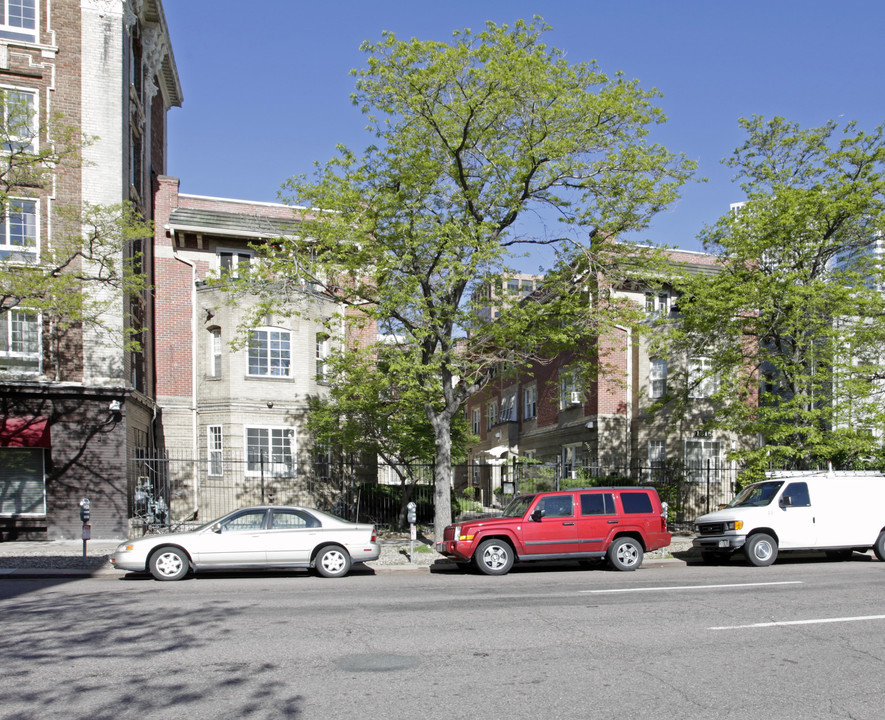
(169, 491)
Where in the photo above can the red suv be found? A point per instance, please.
(618, 523)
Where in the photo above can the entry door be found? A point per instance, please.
(796, 521)
(555, 533)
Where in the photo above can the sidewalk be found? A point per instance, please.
(64, 558)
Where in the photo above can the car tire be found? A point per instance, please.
(494, 557)
(715, 558)
(332, 562)
(625, 553)
(761, 550)
(169, 563)
(879, 547)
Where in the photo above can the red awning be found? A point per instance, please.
(24, 432)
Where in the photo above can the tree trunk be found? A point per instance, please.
(442, 491)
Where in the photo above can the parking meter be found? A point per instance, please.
(85, 507)
(411, 513)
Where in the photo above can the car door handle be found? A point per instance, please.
(568, 523)
(612, 522)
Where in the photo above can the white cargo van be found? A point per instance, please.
(838, 512)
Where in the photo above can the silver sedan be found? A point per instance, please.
(254, 538)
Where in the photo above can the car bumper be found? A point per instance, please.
(365, 553)
(129, 561)
(455, 550)
(719, 543)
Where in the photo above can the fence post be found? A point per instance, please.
(708, 485)
(261, 463)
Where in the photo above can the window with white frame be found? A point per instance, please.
(322, 353)
(20, 344)
(475, 419)
(571, 460)
(215, 352)
(216, 450)
(18, 232)
(270, 450)
(657, 378)
(508, 407)
(702, 381)
(570, 393)
(233, 263)
(657, 453)
(491, 415)
(19, 129)
(530, 402)
(270, 352)
(18, 20)
(657, 303)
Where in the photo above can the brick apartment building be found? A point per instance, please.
(66, 431)
(607, 428)
(230, 413)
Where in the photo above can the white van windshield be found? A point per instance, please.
(757, 495)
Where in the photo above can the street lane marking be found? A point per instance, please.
(820, 621)
(690, 587)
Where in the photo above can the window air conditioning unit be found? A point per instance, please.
(575, 398)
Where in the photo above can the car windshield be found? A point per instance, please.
(518, 506)
(757, 495)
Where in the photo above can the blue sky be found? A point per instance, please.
(267, 87)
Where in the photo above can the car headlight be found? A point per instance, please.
(734, 525)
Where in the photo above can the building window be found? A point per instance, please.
(508, 408)
(571, 460)
(657, 378)
(22, 488)
(491, 415)
(19, 20)
(233, 263)
(657, 454)
(530, 402)
(569, 389)
(18, 237)
(270, 450)
(270, 353)
(657, 303)
(322, 352)
(20, 341)
(215, 352)
(19, 130)
(475, 420)
(216, 465)
(702, 381)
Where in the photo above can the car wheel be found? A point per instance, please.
(879, 547)
(761, 549)
(625, 553)
(333, 562)
(169, 563)
(494, 557)
(715, 558)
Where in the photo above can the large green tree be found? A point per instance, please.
(794, 321)
(472, 136)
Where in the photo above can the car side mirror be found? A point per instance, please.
(786, 501)
(216, 528)
(537, 515)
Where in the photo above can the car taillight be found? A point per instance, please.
(374, 535)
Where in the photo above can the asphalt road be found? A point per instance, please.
(801, 639)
